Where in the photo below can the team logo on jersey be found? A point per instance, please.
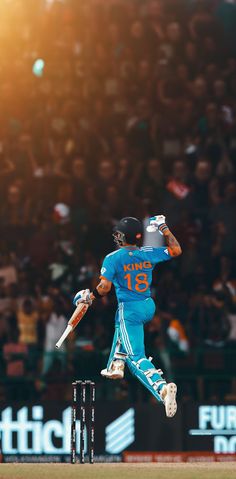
(103, 270)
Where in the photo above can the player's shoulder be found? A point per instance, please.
(113, 253)
(148, 251)
(151, 251)
(147, 248)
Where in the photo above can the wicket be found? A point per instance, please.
(81, 390)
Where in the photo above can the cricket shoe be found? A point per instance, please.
(116, 371)
(168, 396)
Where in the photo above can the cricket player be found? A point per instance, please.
(129, 269)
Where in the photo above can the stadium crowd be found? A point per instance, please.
(132, 111)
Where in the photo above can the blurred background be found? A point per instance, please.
(111, 108)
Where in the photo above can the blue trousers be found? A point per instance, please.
(128, 343)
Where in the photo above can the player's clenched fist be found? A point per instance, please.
(83, 296)
(157, 223)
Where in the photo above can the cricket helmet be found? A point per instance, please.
(127, 231)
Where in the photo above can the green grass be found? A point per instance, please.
(119, 471)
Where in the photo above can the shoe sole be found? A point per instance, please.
(170, 400)
(113, 376)
(117, 376)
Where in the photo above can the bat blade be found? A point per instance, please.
(72, 323)
(78, 314)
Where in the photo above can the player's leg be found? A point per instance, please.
(116, 362)
(132, 338)
(151, 379)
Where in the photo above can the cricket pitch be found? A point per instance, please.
(119, 471)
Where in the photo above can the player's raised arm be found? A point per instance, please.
(159, 223)
(173, 245)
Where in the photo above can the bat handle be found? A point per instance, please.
(64, 336)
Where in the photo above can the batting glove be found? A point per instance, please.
(82, 296)
(157, 223)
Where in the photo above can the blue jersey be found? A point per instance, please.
(130, 270)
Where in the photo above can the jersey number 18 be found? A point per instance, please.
(140, 282)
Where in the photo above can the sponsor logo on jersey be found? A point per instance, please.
(103, 270)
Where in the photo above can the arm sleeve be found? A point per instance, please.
(161, 254)
(108, 269)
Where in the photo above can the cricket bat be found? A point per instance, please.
(76, 317)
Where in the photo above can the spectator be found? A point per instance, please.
(27, 318)
(8, 270)
(15, 355)
(55, 326)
